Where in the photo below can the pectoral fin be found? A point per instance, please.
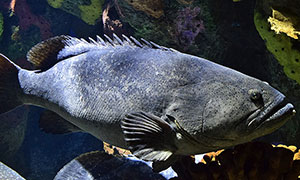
(50, 122)
(149, 137)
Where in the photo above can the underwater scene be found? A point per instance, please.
(149, 89)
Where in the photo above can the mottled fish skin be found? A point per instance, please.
(7, 173)
(158, 102)
(95, 90)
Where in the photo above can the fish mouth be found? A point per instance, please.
(277, 112)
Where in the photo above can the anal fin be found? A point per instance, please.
(50, 122)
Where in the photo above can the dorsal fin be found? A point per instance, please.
(44, 54)
(47, 53)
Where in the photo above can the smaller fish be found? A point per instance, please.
(6, 173)
(100, 165)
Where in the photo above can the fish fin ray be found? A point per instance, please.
(136, 42)
(149, 154)
(146, 43)
(108, 39)
(117, 39)
(148, 136)
(45, 54)
(52, 123)
(100, 41)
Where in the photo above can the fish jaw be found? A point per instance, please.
(259, 123)
(264, 122)
(271, 117)
(259, 118)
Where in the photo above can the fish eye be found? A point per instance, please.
(255, 94)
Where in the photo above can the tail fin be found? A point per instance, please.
(9, 85)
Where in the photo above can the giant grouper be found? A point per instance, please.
(159, 103)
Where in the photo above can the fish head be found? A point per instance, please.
(228, 109)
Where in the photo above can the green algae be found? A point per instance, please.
(87, 10)
(1, 24)
(281, 46)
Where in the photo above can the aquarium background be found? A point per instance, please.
(234, 33)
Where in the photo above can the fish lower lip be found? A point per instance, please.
(283, 113)
(277, 110)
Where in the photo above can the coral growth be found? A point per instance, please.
(15, 36)
(1, 24)
(111, 22)
(281, 46)
(90, 13)
(12, 6)
(188, 25)
(253, 160)
(185, 1)
(280, 23)
(114, 150)
(55, 3)
(27, 19)
(151, 7)
(88, 10)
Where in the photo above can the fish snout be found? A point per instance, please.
(273, 113)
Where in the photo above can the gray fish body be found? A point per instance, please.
(96, 89)
(6, 173)
(157, 102)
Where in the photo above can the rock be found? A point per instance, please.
(151, 7)
(12, 131)
(181, 27)
(42, 155)
(185, 1)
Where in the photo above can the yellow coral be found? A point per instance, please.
(114, 150)
(280, 23)
(297, 155)
(90, 13)
(211, 155)
(55, 3)
(241, 163)
(292, 148)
